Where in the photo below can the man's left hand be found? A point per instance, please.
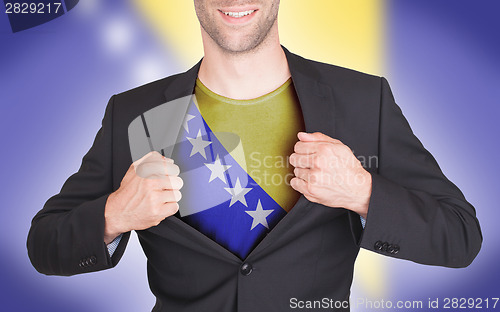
(327, 172)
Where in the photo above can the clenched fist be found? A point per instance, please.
(148, 193)
(327, 172)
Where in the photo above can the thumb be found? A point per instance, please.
(316, 137)
(143, 158)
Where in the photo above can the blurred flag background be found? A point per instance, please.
(440, 56)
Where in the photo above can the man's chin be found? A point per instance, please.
(241, 47)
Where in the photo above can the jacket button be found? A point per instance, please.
(378, 245)
(82, 263)
(246, 269)
(93, 260)
(390, 248)
(395, 249)
(385, 245)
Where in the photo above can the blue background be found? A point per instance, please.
(443, 67)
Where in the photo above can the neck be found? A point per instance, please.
(244, 75)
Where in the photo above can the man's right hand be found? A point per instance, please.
(148, 193)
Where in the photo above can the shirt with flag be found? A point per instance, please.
(225, 196)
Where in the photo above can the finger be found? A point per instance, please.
(171, 208)
(172, 169)
(168, 160)
(302, 173)
(302, 161)
(171, 196)
(302, 147)
(316, 137)
(172, 183)
(152, 154)
(301, 186)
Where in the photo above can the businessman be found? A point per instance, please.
(223, 236)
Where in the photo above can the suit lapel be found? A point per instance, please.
(183, 84)
(317, 104)
(316, 99)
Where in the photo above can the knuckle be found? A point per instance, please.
(318, 177)
(304, 161)
(345, 150)
(324, 149)
(317, 161)
(313, 177)
(147, 183)
(322, 161)
(151, 198)
(155, 210)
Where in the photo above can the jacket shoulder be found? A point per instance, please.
(134, 102)
(337, 75)
(148, 90)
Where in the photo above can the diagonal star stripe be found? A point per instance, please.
(218, 170)
(221, 211)
(259, 216)
(238, 193)
(199, 145)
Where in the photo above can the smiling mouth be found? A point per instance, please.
(239, 14)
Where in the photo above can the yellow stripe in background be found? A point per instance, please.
(347, 33)
(176, 25)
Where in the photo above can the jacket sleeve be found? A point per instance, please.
(415, 212)
(67, 236)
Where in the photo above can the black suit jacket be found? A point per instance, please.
(415, 212)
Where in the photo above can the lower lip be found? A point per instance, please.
(237, 20)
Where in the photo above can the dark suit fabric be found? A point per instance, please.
(310, 253)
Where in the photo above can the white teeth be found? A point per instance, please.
(239, 14)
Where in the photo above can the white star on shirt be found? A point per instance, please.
(199, 145)
(259, 216)
(186, 120)
(238, 193)
(218, 170)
